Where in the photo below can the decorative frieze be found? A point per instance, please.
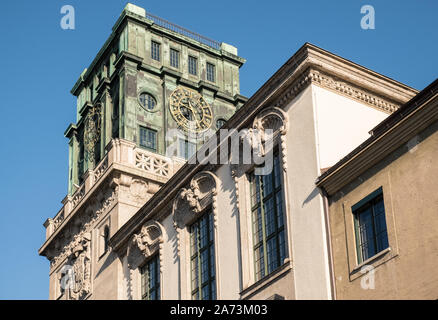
(323, 80)
(75, 277)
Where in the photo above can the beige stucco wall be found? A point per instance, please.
(408, 270)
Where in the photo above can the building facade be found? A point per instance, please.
(141, 222)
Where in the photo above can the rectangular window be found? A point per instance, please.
(211, 72)
(174, 58)
(370, 226)
(267, 221)
(202, 258)
(155, 50)
(150, 279)
(193, 65)
(186, 149)
(148, 138)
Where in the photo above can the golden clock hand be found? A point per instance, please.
(193, 111)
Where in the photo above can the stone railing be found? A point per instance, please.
(121, 153)
(153, 163)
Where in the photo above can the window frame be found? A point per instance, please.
(212, 73)
(140, 139)
(172, 50)
(210, 247)
(148, 98)
(186, 144)
(153, 51)
(195, 59)
(144, 294)
(258, 275)
(369, 202)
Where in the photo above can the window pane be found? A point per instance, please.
(186, 149)
(174, 58)
(148, 138)
(371, 231)
(193, 65)
(268, 221)
(155, 50)
(202, 260)
(210, 72)
(150, 279)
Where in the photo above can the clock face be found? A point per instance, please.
(190, 110)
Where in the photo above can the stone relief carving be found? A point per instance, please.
(190, 201)
(139, 190)
(86, 220)
(92, 130)
(274, 119)
(79, 260)
(141, 246)
(144, 244)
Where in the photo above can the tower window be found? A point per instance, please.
(150, 279)
(202, 258)
(193, 65)
(147, 101)
(155, 50)
(268, 221)
(174, 58)
(220, 123)
(148, 138)
(370, 226)
(211, 72)
(186, 149)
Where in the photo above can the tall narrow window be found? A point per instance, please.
(105, 239)
(370, 226)
(81, 162)
(193, 65)
(211, 72)
(148, 138)
(268, 221)
(186, 149)
(174, 58)
(202, 258)
(155, 50)
(150, 279)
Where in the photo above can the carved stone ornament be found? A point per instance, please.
(193, 200)
(79, 285)
(144, 244)
(273, 120)
(85, 223)
(92, 130)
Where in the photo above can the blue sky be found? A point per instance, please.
(40, 63)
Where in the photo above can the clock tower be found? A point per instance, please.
(152, 77)
(151, 92)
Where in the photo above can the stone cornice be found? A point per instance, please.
(316, 66)
(126, 16)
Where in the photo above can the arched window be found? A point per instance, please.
(220, 123)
